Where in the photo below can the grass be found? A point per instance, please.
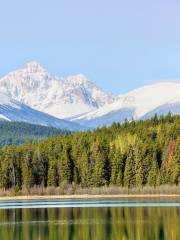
(77, 190)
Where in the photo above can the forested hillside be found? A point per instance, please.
(131, 155)
(18, 133)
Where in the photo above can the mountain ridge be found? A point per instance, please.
(58, 96)
(136, 104)
(79, 101)
(12, 110)
(15, 133)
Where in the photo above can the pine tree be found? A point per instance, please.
(117, 167)
(97, 164)
(84, 169)
(175, 175)
(139, 167)
(65, 166)
(154, 172)
(53, 175)
(27, 170)
(129, 174)
(38, 168)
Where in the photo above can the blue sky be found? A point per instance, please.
(118, 44)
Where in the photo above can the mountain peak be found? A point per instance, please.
(79, 79)
(61, 97)
(34, 66)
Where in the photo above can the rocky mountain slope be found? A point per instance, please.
(45, 99)
(12, 110)
(58, 96)
(141, 103)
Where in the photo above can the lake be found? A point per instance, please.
(96, 219)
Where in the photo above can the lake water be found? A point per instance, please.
(96, 219)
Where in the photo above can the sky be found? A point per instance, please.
(117, 44)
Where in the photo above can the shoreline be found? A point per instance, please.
(86, 196)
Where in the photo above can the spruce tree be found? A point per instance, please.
(65, 166)
(129, 174)
(154, 172)
(175, 175)
(139, 167)
(53, 175)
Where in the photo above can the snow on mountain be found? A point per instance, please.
(140, 103)
(12, 110)
(173, 107)
(80, 101)
(61, 97)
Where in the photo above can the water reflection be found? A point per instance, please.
(116, 223)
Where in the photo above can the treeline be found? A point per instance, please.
(18, 132)
(130, 155)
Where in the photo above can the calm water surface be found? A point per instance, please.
(110, 219)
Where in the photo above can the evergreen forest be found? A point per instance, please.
(132, 154)
(20, 132)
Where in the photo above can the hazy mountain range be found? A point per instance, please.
(33, 95)
(13, 110)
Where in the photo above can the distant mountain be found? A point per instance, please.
(173, 108)
(12, 110)
(142, 103)
(41, 98)
(61, 97)
(19, 132)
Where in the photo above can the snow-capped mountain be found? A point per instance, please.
(61, 97)
(12, 110)
(39, 96)
(172, 107)
(141, 103)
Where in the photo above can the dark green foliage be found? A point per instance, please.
(154, 172)
(130, 171)
(132, 155)
(18, 133)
